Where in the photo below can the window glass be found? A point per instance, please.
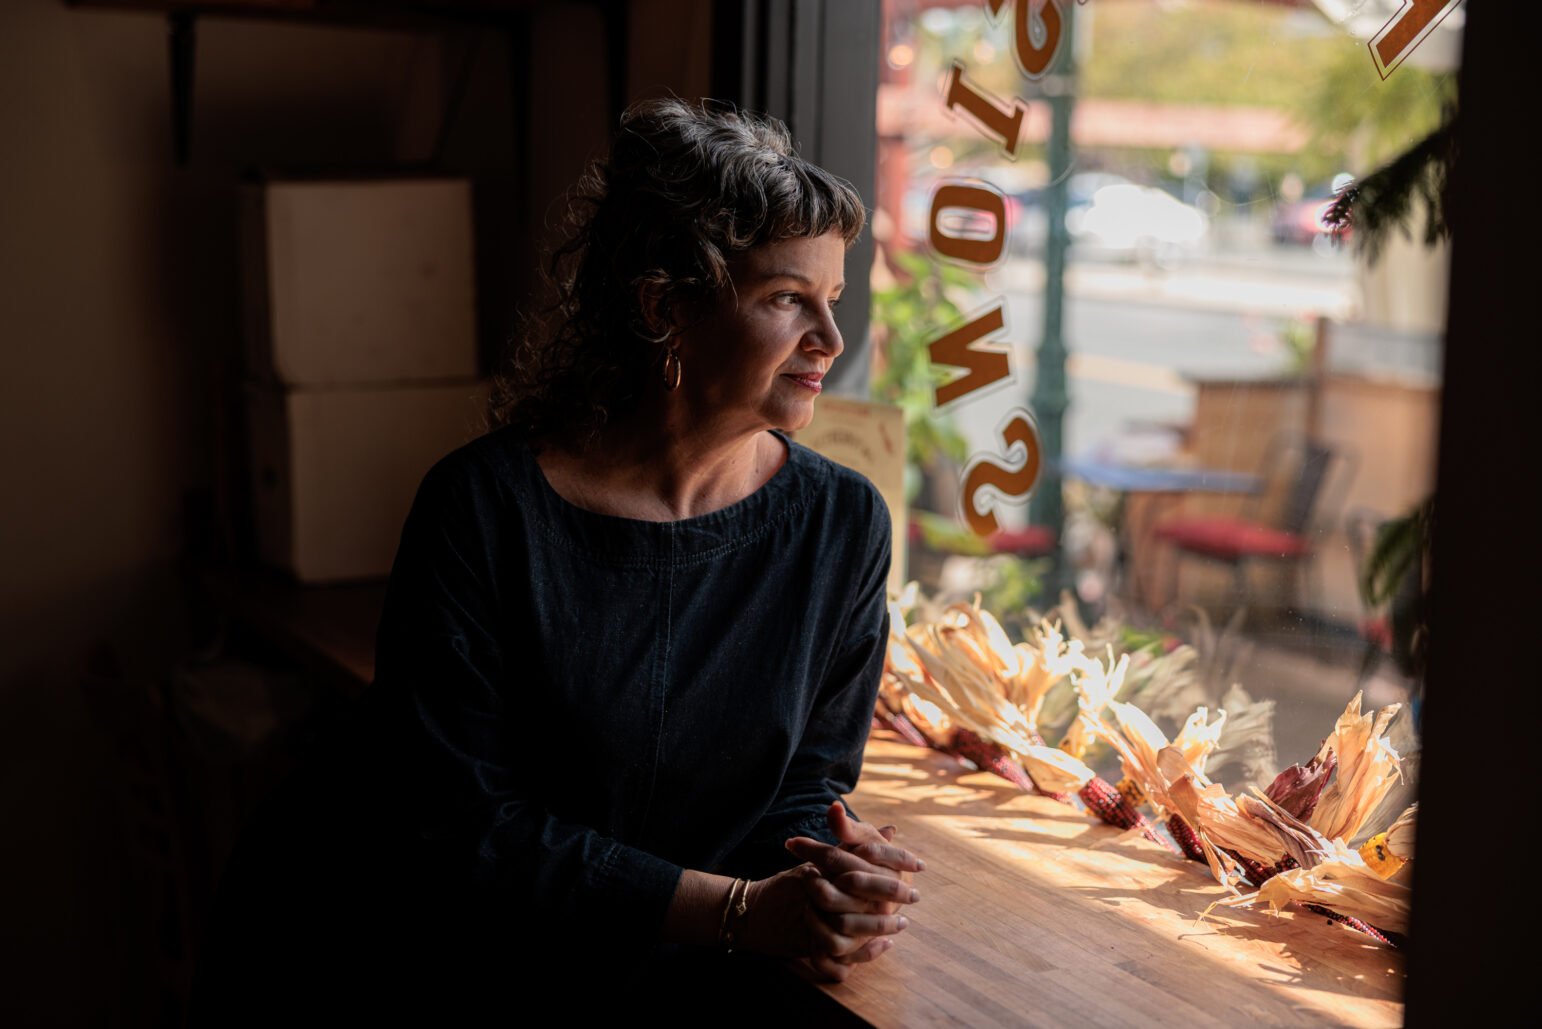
(1108, 266)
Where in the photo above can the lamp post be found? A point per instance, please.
(1050, 399)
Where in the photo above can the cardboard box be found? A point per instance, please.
(363, 281)
(334, 471)
(868, 438)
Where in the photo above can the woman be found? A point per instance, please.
(633, 635)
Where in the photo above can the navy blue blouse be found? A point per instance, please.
(589, 704)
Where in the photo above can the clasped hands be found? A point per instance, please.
(841, 907)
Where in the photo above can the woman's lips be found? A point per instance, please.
(810, 382)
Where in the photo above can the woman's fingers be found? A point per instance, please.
(862, 893)
(866, 857)
(826, 938)
(866, 926)
(888, 855)
(867, 952)
(853, 833)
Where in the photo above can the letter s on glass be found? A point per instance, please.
(985, 472)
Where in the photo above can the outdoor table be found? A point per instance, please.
(1159, 484)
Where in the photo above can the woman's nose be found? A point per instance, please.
(826, 336)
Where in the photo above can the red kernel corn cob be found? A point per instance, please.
(992, 757)
(1108, 804)
(1188, 839)
(1257, 874)
(1349, 921)
(902, 727)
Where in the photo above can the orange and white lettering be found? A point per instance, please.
(1407, 29)
(972, 245)
(982, 366)
(1014, 485)
(1004, 126)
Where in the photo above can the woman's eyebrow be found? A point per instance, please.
(782, 274)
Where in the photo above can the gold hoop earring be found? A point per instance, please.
(672, 370)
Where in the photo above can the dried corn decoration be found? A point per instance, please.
(1051, 764)
(983, 662)
(1387, 852)
(1343, 884)
(900, 724)
(1096, 685)
(1232, 838)
(1298, 788)
(1138, 741)
(1368, 767)
(956, 682)
(916, 722)
(1196, 741)
(944, 678)
(1306, 854)
(964, 665)
(1051, 659)
(992, 757)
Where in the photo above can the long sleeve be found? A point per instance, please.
(472, 802)
(828, 759)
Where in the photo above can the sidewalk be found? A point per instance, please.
(1242, 286)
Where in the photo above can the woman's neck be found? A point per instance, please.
(645, 470)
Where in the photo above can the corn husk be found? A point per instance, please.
(1342, 883)
(1137, 740)
(1299, 788)
(1197, 740)
(1400, 838)
(1096, 685)
(1055, 771)
(1368, 768)
(1048, 661)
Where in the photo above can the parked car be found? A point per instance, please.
(1032, 228)
(1301, 221)
(1128, 222)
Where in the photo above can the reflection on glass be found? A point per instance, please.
(1253, 388)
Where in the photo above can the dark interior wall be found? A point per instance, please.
(118, 311)
(120, 286)
(120, 433)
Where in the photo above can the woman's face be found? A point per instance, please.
(761, 356)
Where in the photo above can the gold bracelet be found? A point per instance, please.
(723, 939)
(733, 912)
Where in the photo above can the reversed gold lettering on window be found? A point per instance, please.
(972, 202)
(982, 366)
(1015, 484)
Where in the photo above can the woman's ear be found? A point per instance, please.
(658, 320)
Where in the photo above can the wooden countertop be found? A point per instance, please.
(1033, 913)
